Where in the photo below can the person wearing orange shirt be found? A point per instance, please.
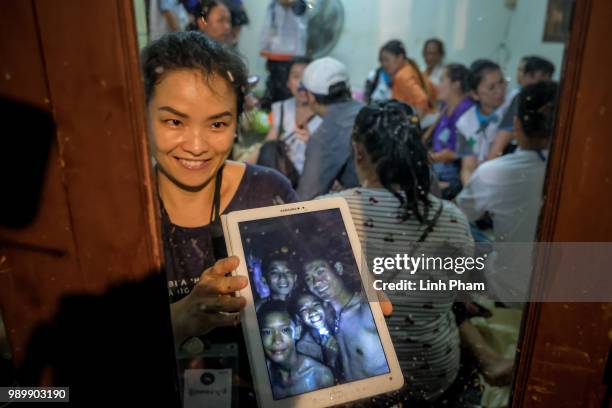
(409, 84)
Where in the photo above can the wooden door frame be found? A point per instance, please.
(573, 81)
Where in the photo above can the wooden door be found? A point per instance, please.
(81, 289)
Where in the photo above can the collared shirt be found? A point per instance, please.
(329, 156)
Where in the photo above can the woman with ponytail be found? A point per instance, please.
(392, 211)
(409, 84)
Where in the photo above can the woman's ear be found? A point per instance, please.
(339, 267)
(474, 96)
(201, 23)
(358, 151)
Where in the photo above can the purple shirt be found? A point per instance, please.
(445, 132)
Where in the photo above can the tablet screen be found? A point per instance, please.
(315, 322)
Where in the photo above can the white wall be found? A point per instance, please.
(470, 29)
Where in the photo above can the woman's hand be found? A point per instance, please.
(210, 304)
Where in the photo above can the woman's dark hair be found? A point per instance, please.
(391, 135)
(458, 73)
(534, 64)
(478, 70)
(192, 50)
(397, 48)
(438, 43)
(299, 61)
(536, 108)
(206, 7)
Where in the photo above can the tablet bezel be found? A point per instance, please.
(337, 394)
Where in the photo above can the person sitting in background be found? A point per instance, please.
(478, 125)
(531, 70)
(215, 21)
(293, 120)
(328, 152)
(433, 54)
(447, 162)
(239, 18)
(509, 188)
(409, 84)
(392, 210)
(377, 86)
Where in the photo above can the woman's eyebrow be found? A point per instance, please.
(172, 110)
(220, 115)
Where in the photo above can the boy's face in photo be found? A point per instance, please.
(280, 278)
(321, 280)
(278, 333)
(311, 311)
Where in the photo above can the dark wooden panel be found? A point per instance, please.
(38, 258)
(97, 223)
(95, 88)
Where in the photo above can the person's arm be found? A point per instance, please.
(165, 9)
(500, 142)
(320, 168)
(468, 165)
(474, 197)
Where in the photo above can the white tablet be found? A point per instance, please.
(315, 336)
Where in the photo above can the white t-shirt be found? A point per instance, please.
(509, 188)
(284, 32)
(297, 147)
(158, 25)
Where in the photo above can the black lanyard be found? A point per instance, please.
(216, 230)
(540, 154)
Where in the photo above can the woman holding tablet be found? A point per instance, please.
(194, 92)
(393, 210)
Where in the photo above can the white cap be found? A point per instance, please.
(322, 73)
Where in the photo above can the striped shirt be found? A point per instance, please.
(422, 326)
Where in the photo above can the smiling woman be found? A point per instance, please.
(194, 92)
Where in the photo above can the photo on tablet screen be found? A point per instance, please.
(316, 325)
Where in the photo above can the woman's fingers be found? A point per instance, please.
(222, 285)
(223, 303)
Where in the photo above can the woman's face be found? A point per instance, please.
(293, 82)
(491, 90)
(432, 54)
(192, 120)
(391, 62)
(219, 24)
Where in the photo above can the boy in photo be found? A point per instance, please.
(278, 273)
(361, 352)
(318, 341)
(291, 373)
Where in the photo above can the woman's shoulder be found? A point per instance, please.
(451, 214)
(266, 186)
